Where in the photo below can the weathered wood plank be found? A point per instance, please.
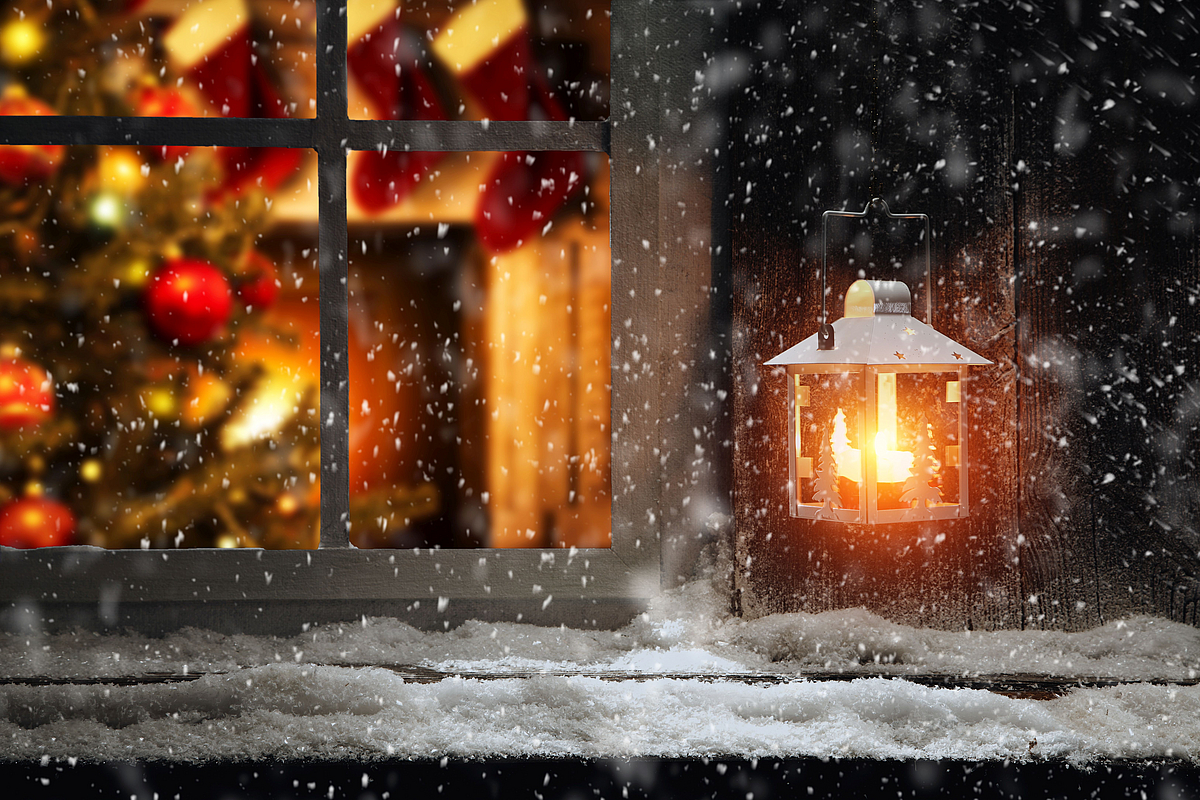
(1106, 260)
(979, 309)
(1058, 575)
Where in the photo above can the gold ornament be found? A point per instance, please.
(287, 504)
(107, 211)
(208, 395)
(137, 273)
(121, 170)
(21, 41)
(160, 401)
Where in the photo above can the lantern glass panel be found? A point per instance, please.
(917, 440)
(827, 431)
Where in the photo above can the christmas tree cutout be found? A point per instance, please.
(917, 489)
(825, 488)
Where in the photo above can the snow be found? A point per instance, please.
(283, 711)
(309, 696)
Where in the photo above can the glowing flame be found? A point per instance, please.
(891, 466)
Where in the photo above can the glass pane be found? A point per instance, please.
(479, 352)
(829, 470)
(158, 351)
(490, 59)
(162, 58)
(918, 424)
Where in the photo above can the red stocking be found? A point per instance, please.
(210, 44)
(524, 190)
(383, 180)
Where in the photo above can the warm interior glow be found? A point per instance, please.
(270, 407)
(548, 449)
(292, 370)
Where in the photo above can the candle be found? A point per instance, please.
(891, 465)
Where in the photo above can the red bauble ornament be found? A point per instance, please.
(188, 300)
(35, 522)
(26, 394)
(21, 164)
(164, 101)
(261, 285)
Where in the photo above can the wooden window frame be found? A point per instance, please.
(264, 590)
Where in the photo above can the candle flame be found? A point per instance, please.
(891, 466)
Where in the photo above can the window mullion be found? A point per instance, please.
(472, 136)
(331, 132)
(190, 131)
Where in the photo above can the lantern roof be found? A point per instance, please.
(879, 330)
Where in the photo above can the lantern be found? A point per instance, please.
(877, 419)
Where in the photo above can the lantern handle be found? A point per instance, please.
(825, 333)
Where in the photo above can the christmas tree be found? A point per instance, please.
(131, 280)
(825, 488)
(919, 489)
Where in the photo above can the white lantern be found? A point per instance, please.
(877, 419)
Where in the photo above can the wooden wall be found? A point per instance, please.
(1058, 153)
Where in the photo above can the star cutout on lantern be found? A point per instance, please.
(957, 355)
(899, 355)
(909, 331)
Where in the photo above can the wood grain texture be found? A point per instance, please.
(691, 343)
(978, 308)
(635, 423)
(1106, 257)
(1059, 575)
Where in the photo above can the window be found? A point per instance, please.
(654, 403)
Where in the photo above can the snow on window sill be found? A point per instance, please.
(296, 697)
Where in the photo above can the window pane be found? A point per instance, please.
(163, 58)
(158, 350)
(491, 59)
(479, 351)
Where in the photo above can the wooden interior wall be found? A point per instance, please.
(1056, 152)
